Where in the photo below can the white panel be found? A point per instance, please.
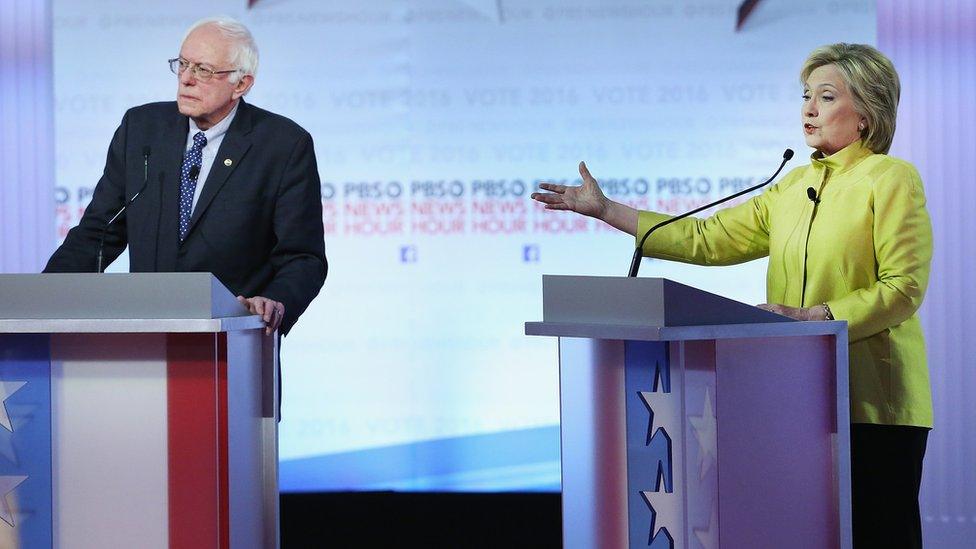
(593, 439)
(108, 396)
(244, 439)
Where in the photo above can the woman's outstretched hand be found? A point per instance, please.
(586, 199)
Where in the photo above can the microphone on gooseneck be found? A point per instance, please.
(812, 195)
(638, 253)
(146, 151)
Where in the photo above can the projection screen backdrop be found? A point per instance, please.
(433, 120)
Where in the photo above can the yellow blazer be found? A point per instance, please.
(864, 250)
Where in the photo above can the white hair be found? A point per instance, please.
(244, 55)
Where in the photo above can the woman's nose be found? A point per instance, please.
(810, 108)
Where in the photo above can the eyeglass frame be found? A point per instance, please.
(195, 67)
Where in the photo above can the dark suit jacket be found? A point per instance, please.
(258, 223)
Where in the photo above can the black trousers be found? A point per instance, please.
(886, 472)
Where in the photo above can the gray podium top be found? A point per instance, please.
(658, 309)
(119, 302)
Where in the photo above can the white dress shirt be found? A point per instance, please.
(214, 136)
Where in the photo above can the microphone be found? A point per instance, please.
(812, 195)
(146, 151)
(194, 172)
(635, 262)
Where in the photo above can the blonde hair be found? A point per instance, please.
(873, 82)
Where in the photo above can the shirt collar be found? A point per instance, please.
(843, 159)
(218, 129)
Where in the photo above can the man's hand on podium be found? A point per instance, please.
(271, 311)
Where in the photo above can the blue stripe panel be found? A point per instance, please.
(650, 409)
(522, 460)
(25, 449)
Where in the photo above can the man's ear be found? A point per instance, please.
(243, 85)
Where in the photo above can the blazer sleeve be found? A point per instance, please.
(298, 256)
(79, 250)
(732, 235)
(903, 250)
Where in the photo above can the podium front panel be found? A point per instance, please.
(138, 440)
(704, 443)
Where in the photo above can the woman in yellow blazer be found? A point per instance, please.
(860, 252)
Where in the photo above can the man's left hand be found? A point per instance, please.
(270, 310)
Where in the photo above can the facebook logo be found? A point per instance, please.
(408, 254)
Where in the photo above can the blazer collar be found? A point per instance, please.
(842, 160)
(232, 149)
(168, 150)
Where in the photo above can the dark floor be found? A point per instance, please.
(408, 519)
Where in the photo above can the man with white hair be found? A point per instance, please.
(223, 186)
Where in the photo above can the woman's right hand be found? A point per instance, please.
(586, 199)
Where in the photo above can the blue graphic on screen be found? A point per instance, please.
(433, 121)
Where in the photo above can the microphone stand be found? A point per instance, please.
(638, 252)
(99, 257)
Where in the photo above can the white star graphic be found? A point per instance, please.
(8, 388)
(19, 414)
(664, 413)
(646, 398)
(7, 485)
(667, 516)
(709, 538)
(7, 448)
(661, 417)
(706, 431)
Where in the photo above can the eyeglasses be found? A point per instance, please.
(178, 65)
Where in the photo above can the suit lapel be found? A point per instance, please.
(232, 149)
(172, 143)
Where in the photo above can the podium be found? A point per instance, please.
(138, 410)
(692, 420)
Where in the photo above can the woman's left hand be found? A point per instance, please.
(798, 313)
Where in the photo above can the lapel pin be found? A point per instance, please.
(228, 162)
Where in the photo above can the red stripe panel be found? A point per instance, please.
(197, 434)
(223, 479)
